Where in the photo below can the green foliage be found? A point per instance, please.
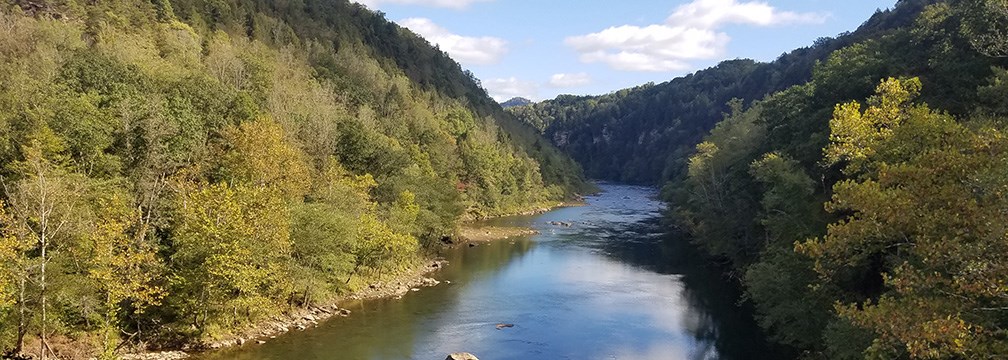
(8, 253)
(994, 95)
(927, 208)
(259, 155)
(892, 268)
(208, 163)
(230, 245)
(718, 173)
(647, 134)
(985, 24)
(122, 265)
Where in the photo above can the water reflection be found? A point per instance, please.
(610, 286)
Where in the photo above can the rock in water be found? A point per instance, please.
(461, 356)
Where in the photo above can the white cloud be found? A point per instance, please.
(651, 48)
(569, 80)
(690, 33)
(465, 49)
(504, 89)
(454, 4)
(708, 14)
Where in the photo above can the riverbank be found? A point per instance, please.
(480, 234)
(470, 232)
(533, 210)
(305, 318)
(613, 263)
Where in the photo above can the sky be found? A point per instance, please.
(539, 49)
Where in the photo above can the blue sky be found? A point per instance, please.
(540, 49)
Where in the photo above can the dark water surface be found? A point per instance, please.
(611, 286)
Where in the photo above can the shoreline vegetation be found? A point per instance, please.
(302, 319)
(175, 169)
(396, 285)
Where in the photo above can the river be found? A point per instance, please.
(613, 285)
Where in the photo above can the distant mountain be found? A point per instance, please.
(646, 134)
(514, 102)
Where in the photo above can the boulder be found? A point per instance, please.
(461, 356)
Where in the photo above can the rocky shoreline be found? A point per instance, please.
(306, 318)
(480, 234)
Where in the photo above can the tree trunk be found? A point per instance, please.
(43, 233)
(22, 328)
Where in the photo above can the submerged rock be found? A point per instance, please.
(461, 356)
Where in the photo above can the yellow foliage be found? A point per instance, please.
(854, 135)
(8, 248)
(261, 155)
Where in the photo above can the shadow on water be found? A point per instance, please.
(650, 243)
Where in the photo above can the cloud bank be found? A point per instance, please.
(467, 50)
(453, 4)
(690, 33)
(503, 89)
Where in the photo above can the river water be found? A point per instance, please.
(613, 285)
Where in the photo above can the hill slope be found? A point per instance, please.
(862, 210)
(645, 134)
(859, 197)
(178, 169)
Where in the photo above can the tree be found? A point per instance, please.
(994, 96)
(790, 213)
(377, 247)
(231, 244)
(43, 203)
(925, 214)
(985, 24)
(122, 265)
(8, 256)
(854, 135)
(260, 155)
(714, 209)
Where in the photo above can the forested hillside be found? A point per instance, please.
(864, 208)
(646, 134)
(173, 170)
